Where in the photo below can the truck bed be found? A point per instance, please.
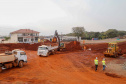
(6, 58)
(52, 47)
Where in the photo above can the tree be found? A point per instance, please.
(121, 33)
(96, 34)
(6, 38)
(78, 31)
(111, 33)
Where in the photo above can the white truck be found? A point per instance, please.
(12, 59)
(46, 50)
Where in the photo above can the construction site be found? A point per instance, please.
(71, 65)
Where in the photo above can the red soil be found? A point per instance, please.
(73, 46)
(100, 47)
(122, 46)
(61, 68)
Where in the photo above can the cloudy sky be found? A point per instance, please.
(46, 16)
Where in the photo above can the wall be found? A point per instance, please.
(14, 38)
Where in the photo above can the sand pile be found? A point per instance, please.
(20, 46)
(122, 46)
(73, 46)
(100, 47)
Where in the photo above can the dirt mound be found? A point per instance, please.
(122, 46)
(47, 41)
(25, 46)
(3, 49)
(100, 47)
(73, 46)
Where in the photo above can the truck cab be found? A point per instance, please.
(21, 56)
(12, 58)
(43, 50)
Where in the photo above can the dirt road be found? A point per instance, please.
(61, 68)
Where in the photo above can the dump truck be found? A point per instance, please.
(46, 50)
(12, 58)
(112, 50)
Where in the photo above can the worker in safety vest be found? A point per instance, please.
(84, 48)
(103, 63)
(96, 63)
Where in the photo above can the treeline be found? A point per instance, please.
(110, 33)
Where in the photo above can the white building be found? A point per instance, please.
(24, 36)
(64, 38)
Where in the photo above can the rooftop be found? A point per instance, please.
(24, 31)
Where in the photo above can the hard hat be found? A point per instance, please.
(96, 58)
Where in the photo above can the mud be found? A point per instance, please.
(73, 46)
(73, 67)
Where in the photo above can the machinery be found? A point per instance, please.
(45, 50)
(13, 58)
(113, 50)
(61, 46)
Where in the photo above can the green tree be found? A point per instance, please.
(78, 31)
(6, 38)
(96, 34)
(121, 33)
(111, 33)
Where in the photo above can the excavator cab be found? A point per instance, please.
(54, 39)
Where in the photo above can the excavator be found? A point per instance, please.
(54, 40)
(113, 50)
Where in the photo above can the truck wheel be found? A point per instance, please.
(0, 69)
(115, 55)
(21, 64)
(47, 54)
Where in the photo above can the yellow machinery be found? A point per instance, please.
(113, 50)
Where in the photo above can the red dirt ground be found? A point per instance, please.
(61, 68)
(71, 67)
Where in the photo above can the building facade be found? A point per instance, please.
(24, 36)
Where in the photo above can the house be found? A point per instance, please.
(24, 36)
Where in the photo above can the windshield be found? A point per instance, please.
(22, 53)
(42, 48)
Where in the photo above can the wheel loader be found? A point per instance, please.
(113, 50)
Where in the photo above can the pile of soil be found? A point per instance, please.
(26, 46)
(122, 46)
(100, 47)
(3, 49)
(73, 46)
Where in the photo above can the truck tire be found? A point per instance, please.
(15, 63)
(0, 69)
(115, 55)
(21, 64)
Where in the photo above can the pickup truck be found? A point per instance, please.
(12, 59)
(45, 50)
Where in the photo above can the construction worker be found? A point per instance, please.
(96, 63)
(103, 63)
(84, 48)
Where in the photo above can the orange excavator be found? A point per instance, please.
(54, 40)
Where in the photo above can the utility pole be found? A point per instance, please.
(32, 36)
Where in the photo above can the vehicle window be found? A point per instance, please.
(43, 48)
(22, 53)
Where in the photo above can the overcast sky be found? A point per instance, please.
(46, 16)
